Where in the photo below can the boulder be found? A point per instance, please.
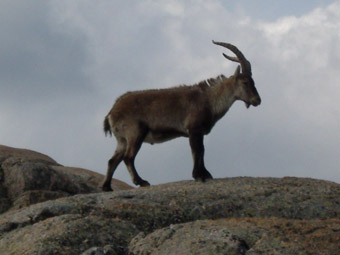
(240, 215)
(69, 234)
(28, 177)
(245, 236)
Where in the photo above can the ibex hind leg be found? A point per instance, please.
(113, 163)
(134, 142)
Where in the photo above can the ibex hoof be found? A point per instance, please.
(144, 183)
(203, 179)
(202, 176)
(107, 188)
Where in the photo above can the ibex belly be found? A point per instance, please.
(160, 137)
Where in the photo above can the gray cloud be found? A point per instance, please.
(64, 63)
(37, 59)
(44, 83)
(270, 10)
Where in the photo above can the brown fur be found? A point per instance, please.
(159, 115)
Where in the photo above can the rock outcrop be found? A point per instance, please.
(28, 177)
(223, 216)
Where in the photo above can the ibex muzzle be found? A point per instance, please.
(156, 116)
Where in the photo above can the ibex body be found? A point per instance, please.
(155, 116)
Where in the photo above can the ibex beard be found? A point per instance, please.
(159, 115)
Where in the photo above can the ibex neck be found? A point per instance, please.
(221, 96)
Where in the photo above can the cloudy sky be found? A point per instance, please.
(63, 64)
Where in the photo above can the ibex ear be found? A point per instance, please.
(237, 72)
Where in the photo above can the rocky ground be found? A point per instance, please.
(223, 216)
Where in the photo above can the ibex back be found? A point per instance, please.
(156, 116)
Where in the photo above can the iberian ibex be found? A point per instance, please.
(159, 115)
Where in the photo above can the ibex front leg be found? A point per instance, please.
(200, 173)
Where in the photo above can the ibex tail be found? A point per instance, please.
(107, 128)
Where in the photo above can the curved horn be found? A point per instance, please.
(240, 58)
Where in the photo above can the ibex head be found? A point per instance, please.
(244, 84)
